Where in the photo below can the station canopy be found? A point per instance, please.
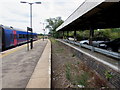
(93, 14)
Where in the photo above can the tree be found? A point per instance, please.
(53, 24)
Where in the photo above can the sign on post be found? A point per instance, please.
(29, 29)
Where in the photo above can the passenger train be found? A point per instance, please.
(10, 37)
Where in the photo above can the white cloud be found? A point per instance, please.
(16, 14)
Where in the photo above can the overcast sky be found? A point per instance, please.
(16, 14)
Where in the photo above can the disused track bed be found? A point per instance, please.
(68, 71)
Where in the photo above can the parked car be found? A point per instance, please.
(96, 41)
(84, 42)
(113, 45)
(72, 39)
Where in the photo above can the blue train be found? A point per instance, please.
(10, 37)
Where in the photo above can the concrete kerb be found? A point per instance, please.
(41, 77)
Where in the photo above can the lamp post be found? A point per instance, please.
(43, 29)
(31, 19)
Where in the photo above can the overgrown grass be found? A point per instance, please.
(82, 79)
(53, 40)
(40, 37)
(59, 50)
(78, 62)
(73, 75)
(68, 71)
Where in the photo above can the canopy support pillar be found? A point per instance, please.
(67, 34)
(63, 35)
(74, 35)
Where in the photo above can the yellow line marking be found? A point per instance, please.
(13, 50)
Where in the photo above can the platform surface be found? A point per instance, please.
(41, 77)
(18, 65)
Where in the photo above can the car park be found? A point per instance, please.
(97, 42)
(113, 45)
(84, 42)
(72, 39)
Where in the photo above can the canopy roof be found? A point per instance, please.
(96, 15)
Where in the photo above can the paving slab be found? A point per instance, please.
(41, 77)
(18, 64)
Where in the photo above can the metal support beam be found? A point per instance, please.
(58, 34)
(91, 36)
(67, 34)
(75, 35)
(63, 34)
(31, 39)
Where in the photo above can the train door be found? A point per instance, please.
(15, 38)
(2, 39)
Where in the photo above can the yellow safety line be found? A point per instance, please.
(12, 51)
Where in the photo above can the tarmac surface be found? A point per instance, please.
(18, 64)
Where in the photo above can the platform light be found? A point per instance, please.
(23, 2)
(31, 17)
(38, 2)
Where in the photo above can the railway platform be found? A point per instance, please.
(41, 77)
(27, 69)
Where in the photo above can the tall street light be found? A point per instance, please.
(31, 17)
(43, 30)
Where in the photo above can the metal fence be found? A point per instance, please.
(99, 50)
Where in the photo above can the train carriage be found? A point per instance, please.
(10, 37)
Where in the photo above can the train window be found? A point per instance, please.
(23, 36)
(20, 36)
(27, 36)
